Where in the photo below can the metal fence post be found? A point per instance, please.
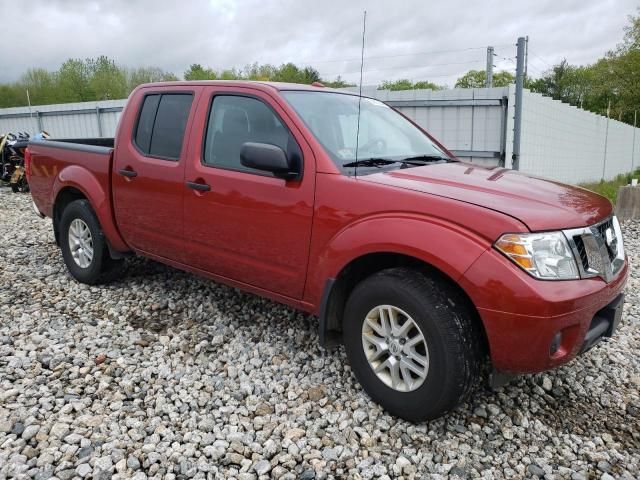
(39, 120)
(99, 122)
(517, 117)
(633, 146)
(606, 143)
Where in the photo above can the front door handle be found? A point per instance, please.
(202, 187)
(127, 172)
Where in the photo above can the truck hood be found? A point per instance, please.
(538, 203)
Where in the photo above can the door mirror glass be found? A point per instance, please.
(266, 157)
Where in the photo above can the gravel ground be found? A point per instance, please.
(165, 375)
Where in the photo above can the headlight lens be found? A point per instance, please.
(544, 255)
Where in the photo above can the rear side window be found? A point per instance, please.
(161, 125)
(145, 122)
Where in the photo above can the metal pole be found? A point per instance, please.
(517, 117)
(39, 120)
(606, 141)
(526, 57)
(633, 147)
(489, 67)
(99, 122)
(29, 103)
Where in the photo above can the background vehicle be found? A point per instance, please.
(424, 267)
(12, 151)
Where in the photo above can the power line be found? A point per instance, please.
(377, 57)
(414, 67)
(540, 58)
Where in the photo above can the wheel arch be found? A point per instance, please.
(65, 196)
(338, 289)
(70, 193)
(76, 182)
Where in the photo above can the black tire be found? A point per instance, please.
(452, 338)
(102, 268)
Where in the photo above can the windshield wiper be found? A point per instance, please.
(370, 162)
(423, 159)
(413, 161)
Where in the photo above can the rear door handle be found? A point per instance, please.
(202, 187)
(125, 172)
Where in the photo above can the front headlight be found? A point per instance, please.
(543, 255)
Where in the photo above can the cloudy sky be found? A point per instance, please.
(416, 39)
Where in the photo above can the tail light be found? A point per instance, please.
(27, 164)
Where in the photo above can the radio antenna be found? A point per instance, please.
(364, 29)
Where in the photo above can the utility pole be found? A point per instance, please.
(526, 57)
(517, 118)
(489, 67)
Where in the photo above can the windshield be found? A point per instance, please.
(384, 133)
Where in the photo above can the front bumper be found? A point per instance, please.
(605, 322)
(534, 325)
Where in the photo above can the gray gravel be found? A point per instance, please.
(165, 375)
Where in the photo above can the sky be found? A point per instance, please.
(414, 39)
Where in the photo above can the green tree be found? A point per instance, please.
(337, 83)
(405, 84)
(73, 82)
(140, 75)
(41, 85)
(12, 95)
(198, 72)
(291, 73)
(256, 71)
(426, 85)
(478, 79)
(107, 81)
(230, 74)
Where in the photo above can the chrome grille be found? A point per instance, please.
(598, 249)
(582, 251)
(602, 229)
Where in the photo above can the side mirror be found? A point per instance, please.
(266, 157)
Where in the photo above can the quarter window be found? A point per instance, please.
(161, 126)
(235, 120)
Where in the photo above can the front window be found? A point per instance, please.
(235, 120)
(386, 139)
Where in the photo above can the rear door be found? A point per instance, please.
(244, 224)
(148, 177)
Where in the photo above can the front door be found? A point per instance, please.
(240, 223)
(148, 177)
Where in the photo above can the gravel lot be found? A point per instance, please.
(166, 375)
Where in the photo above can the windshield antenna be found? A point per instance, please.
(364, 29)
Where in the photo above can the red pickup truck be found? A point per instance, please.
(424, 267)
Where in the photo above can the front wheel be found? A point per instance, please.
(84, 247)
(412, 343)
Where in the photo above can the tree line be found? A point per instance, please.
(79, 81)
(102, 79)
(609, 86)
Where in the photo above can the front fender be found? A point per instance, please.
(80, 178)
(446, 246)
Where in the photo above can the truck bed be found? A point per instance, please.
(91, 156)
(97, 142)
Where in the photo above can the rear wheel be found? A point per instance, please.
(411, 343)
(84, 247)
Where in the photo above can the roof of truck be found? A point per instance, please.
(253, 83)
